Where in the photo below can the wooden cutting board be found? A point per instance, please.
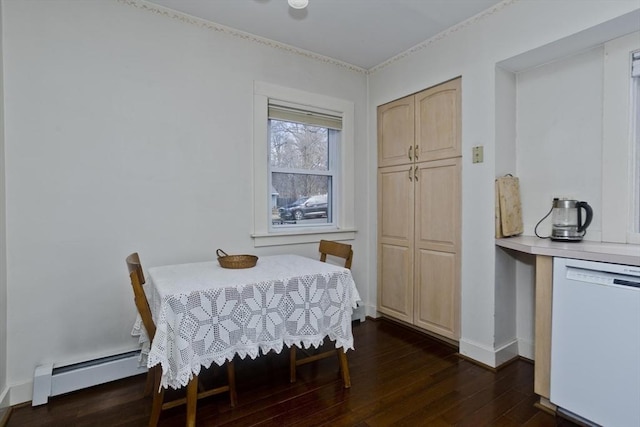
(508, 207)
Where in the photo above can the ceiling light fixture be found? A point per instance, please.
(298, 4)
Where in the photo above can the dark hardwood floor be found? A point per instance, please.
(399, 377)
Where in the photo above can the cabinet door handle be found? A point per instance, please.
(416, 151)
(415, 173)
(410, 148)
(410, 174)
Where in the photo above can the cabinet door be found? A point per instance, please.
(396, 132)
(438, 121)
(395, 241)
(437, 263)
(436, 294)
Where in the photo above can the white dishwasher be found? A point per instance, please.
(595, 342)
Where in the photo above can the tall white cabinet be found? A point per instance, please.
(419, 209)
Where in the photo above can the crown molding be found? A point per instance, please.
(212, 26)
(423, 45)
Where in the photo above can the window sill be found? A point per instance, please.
(633, 238)
(302, 236)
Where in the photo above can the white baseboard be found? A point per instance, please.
(506, 352)
(20, 393)
(492, 357)
(526, 349)
(4, 398)
(371, 311)
(478, 352)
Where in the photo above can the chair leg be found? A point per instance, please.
(192, 401)
(158, 398)
(151, 378)
(292, 364)
(344, 367)
(231, 377)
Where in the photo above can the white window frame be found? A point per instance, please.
(343, 226)
(618, 144)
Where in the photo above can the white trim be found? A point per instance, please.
(345, 194)
(506, 352)
(20, 393)
(477, 352)
(447, 32)
(493, 357)
(371, 311)
(202, 23)
(212, 26)
(4, 398)
(526, 348)
(302, 236)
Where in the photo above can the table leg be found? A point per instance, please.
(344, 367)
(292, 363)
(192, 400)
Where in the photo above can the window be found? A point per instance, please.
(620, 145)
(303, 166)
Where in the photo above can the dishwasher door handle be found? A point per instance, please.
(626, 283)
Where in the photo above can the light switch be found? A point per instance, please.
(478, 155)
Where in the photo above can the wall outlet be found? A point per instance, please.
(477, 153)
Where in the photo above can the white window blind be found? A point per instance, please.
(314, 118)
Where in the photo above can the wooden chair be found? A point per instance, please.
(135, 266)
(339, 250)
(136, 275)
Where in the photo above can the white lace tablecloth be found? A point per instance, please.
(207, 314)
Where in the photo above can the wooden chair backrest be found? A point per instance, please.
(340, 250)
(134, 264)
(137, 280)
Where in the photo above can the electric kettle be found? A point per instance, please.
(567, 222)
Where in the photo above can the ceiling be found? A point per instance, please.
(364, 33)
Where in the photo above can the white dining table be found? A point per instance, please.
(207, 314)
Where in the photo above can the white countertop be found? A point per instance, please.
(617, 253)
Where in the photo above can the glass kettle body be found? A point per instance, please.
(568, 223)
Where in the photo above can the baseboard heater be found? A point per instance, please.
(49, 381)
(358, 313)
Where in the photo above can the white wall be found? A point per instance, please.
(560, 110)
(473, 51)
(559, 145)
(129, 130)
(3, 253)
(525, 303)
(506, 337)
(559, 123)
